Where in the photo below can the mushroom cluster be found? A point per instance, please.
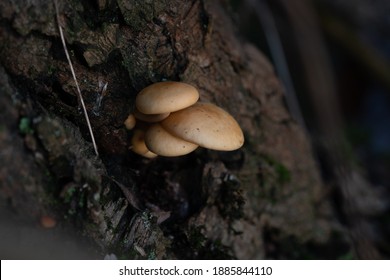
(171, 122)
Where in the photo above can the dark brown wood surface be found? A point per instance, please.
(266, 200)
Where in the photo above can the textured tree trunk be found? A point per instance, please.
(265, 200)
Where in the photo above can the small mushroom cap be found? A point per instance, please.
(150, 118)
(138, 144)
(130, 122)
(166, 97)
(159, 141)
(207, 125)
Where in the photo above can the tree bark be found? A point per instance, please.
(266, 200)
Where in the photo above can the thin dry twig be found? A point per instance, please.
(74, 78)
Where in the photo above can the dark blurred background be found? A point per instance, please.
(333, 57)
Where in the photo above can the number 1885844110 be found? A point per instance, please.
(236, 270)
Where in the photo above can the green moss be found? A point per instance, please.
(152, 255)
(82, 199)
(51, 69)
(69, 194)
(71, 212)
(271, 175)
(25, 126)
(147, 217)
(282, 173)
(274, 170)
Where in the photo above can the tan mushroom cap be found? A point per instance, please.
(130, 122)
(138, 144)
(159, 141)
(207, 125)
(150, 118)
(166, 97)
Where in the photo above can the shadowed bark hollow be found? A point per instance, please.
(265, 200)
